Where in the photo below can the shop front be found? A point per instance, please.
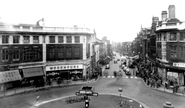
(64, 72)
(9, 79)
(32, 76)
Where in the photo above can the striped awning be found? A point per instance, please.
(8, 76)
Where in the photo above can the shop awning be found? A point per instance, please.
(31, 72)
(8, 76)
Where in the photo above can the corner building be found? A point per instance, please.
(32, 53)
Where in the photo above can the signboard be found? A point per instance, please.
(9, 76)
(34, 71)
(179, 64)
(63, 67)
(86, 92)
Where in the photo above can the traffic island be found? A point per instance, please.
(100, 101)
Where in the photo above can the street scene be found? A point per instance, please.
(78, 54)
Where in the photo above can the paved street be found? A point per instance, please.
(132, 87)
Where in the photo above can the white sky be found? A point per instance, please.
(119, 20)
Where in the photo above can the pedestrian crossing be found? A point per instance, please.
(133, 77)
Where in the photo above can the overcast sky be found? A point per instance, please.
(119, 20)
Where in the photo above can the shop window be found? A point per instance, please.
(69, 39)
(5, 54)
(35, 39)
(51, 39)
(5, 38)
(60, 52)
(68, 52)
(16, 54)
(60, 39)
(16, 39)
(26, 39)
(77, 39)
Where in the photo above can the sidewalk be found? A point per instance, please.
(179, 92)
(47, 87)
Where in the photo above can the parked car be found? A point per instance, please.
(107, 66)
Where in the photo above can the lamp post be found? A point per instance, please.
(120, 90)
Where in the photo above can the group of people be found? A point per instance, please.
(152, 77)
(149, 75)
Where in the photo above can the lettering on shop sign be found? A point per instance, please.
(179, 64)
(64, 67)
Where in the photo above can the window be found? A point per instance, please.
(27, 54)
(5, 54)
(69, 39)
(26, 27)
(16, 39)
(77, 39)
(52, 52)
(36, 53)
(68, 52)
(16, 54)
(26, 39)
(5, 38)
(173, 51)
(173, 37)
(76, 51)
(60, 39)
(182, 36)
(35, 39)
(60, 52)
(182, 51)
(51, 39)
(164, 37)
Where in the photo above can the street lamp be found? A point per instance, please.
(120, 90)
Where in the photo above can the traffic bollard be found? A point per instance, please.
(168, 105)
(37, 99)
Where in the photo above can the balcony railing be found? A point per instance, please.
(45, 29)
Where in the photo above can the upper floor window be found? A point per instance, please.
(52, 52)
(16, 54)
(5, 54)
(26, 27)
(44, 39)
(5, 38)
(51, 39)
(69, 39)
(60, 52)
(182, 51)
(16, 39)
(60, 39)
(77, 39)
(69, 52)
(76, 51)
(182, 36)
(36, 53)
(164, 37)
(173, 37)
(35, 39)
(173, 51)
(26, 39)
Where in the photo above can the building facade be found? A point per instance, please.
(170, 47)
(34, 53)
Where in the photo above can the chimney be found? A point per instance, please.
(164, 15)
(171, 10)
(155, 19)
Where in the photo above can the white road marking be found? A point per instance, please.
(108, 77)
(112, 76)
(136, 77)
(103, 76)
(126, 76)
(131, 77)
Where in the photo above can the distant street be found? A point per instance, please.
(132, 87)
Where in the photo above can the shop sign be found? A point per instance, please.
(179, 64)
(8, 76)
(63, 67)
(34, 71)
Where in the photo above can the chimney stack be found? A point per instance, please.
(164, 15)
(171, 10)
(155, 19)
